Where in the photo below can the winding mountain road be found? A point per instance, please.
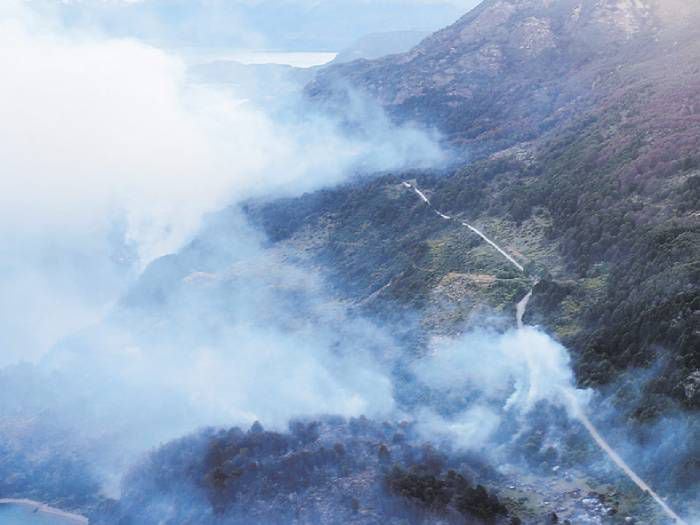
(466, 225)
(615, 458)
(575, 407)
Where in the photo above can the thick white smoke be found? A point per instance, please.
(500, 374)
(112, 159)
(111, 156)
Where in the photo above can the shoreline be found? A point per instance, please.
(46, 509)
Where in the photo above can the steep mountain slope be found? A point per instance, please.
(509, 70)
(583, 126)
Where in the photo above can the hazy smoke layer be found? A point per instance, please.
(221, 335)
(111, 158)
(111, 162)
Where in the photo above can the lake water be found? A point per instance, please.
(297, 59)
(11, 514)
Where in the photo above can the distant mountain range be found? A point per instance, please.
(378, 45)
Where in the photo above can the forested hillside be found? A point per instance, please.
(324, 472)
(581, 126)
(484, 309)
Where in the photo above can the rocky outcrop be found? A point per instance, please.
(510, 70)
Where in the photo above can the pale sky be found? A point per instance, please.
(285, 25)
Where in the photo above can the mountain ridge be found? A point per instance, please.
(533, 63)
